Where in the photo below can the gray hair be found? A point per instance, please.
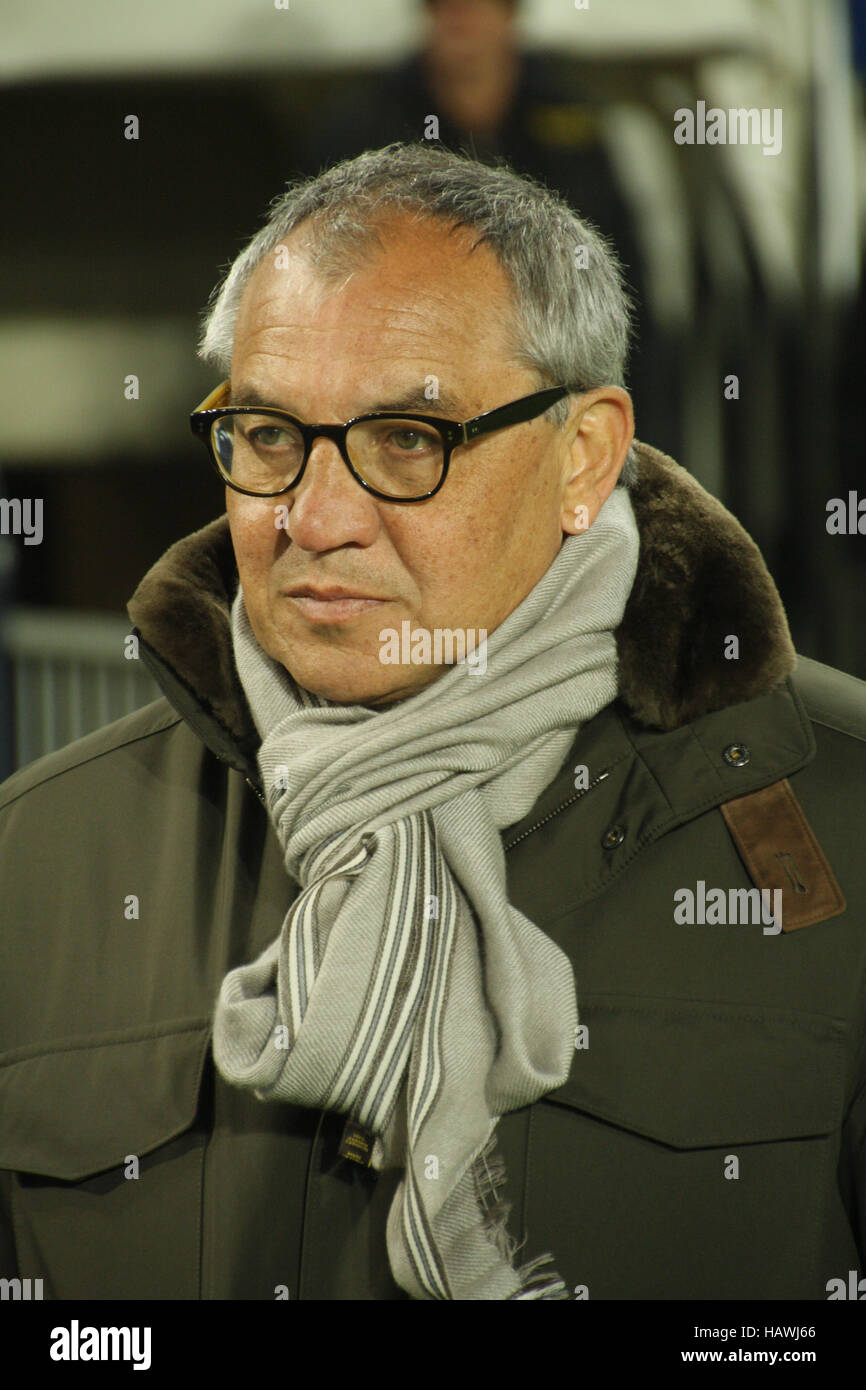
(571, 314)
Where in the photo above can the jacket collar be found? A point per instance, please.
(701, 581)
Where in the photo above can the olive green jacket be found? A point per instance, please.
(710, 1141)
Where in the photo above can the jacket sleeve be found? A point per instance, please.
(8, 1255)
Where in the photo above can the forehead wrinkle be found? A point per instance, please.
(424, 348)
(298, 307)
(410, 398)
(407, 321)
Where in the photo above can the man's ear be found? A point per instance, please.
(598, 439)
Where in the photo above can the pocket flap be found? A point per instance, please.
(699, 1075)
(80, 1109)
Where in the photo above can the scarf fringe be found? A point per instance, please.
(488, 1171)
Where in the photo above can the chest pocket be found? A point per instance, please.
(105, 1140)
(692, 1154)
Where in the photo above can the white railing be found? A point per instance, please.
(69, 676)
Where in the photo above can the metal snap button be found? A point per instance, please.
(737, 754)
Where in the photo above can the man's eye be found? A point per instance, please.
(410, 441)
(269, 437)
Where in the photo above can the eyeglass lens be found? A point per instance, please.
(263, 453)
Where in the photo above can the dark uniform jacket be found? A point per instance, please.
(710, 1141)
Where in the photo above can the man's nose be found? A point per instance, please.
(328, 507)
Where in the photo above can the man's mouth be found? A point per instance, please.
(332, 604)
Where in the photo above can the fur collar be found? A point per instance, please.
(700, 579)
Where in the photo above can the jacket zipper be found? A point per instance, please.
(252, 784)
(550, 815)
(233, 768)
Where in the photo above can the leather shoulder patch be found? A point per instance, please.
(779, 849)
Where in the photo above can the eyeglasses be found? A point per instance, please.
(397, 457)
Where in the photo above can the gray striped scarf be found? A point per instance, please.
(403, 990)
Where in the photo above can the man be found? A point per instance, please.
(408, 948)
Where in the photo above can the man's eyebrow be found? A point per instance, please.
(415, 399)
